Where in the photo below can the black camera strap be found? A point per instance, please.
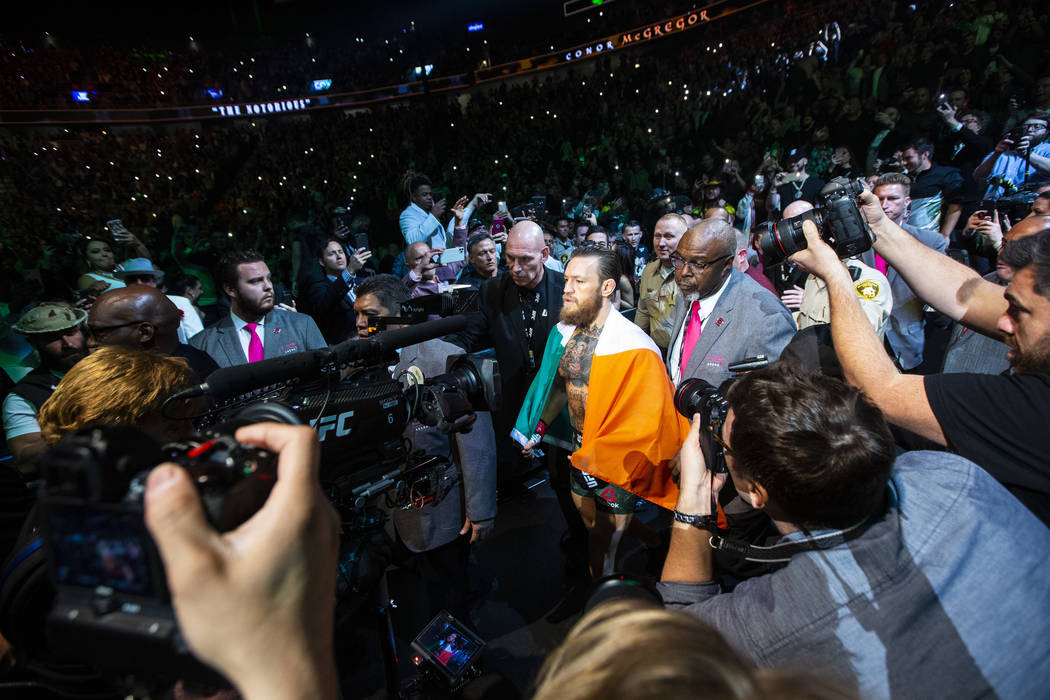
(780, 553)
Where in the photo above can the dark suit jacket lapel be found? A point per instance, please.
(551, 291)
(512, 311)
(713, 329)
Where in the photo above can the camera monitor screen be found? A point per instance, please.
(448, 645)
(95, 546)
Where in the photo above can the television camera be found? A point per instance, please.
(112, 607)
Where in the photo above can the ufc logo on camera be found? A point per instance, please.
(340, 423)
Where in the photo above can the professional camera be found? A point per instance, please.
(112, 606)
(694, 395)
(460, 299)
(836, 216)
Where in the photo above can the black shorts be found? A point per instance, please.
(609, 498)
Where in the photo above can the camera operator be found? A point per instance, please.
(1021, 157)
(256, 603)
(887, 558)
(810, 303)
(997, 421)
(464, 509)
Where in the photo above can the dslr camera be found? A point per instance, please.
(836, 215)
(112, 606)
(695, 395)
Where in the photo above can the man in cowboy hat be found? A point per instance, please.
(54, 329)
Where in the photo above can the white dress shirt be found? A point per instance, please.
(706, 307)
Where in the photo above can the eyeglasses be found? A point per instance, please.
(678, 262)
(99, 331)
(1035, 126)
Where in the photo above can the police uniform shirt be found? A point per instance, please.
(871, 287)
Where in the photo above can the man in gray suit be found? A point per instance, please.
(254, 330)
(721, 315)
(465, 509)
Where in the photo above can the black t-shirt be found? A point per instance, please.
(1000, 423)
(791, 191)
(941, 179)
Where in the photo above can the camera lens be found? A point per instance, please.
(691, 395)
(783, 240)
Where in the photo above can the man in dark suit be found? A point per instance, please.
(518, 310)
(735, 317)
(254, 330)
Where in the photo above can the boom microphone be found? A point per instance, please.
(228, 382)
(387, 341)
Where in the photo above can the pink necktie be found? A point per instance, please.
(255, 349)
(692, 334)
(880, 264)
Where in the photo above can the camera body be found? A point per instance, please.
(695, 395)
(112, 606)
(836, 215)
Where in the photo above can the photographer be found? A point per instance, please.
(1021, 157)
(997, 421)
(887, 558)
(809, 304)
(258, 602)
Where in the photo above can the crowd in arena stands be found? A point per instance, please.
(43, 70)
(627, 228)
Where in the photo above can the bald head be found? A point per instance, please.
(795, 208)
(526, 252)
(526, 233)
(720, 213)
(714, 235)
(135, 317)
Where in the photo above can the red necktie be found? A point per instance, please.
(692, 334)
(880, 264)
(255, 349)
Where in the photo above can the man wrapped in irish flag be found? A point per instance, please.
(603, 392)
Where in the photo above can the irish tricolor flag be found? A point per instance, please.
(631, 429)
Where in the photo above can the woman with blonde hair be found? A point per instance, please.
(118, 386)
(630, 649)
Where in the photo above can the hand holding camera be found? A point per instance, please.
(257, 602)
(697, 486)
(357, 260)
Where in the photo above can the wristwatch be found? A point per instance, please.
(700, 522)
